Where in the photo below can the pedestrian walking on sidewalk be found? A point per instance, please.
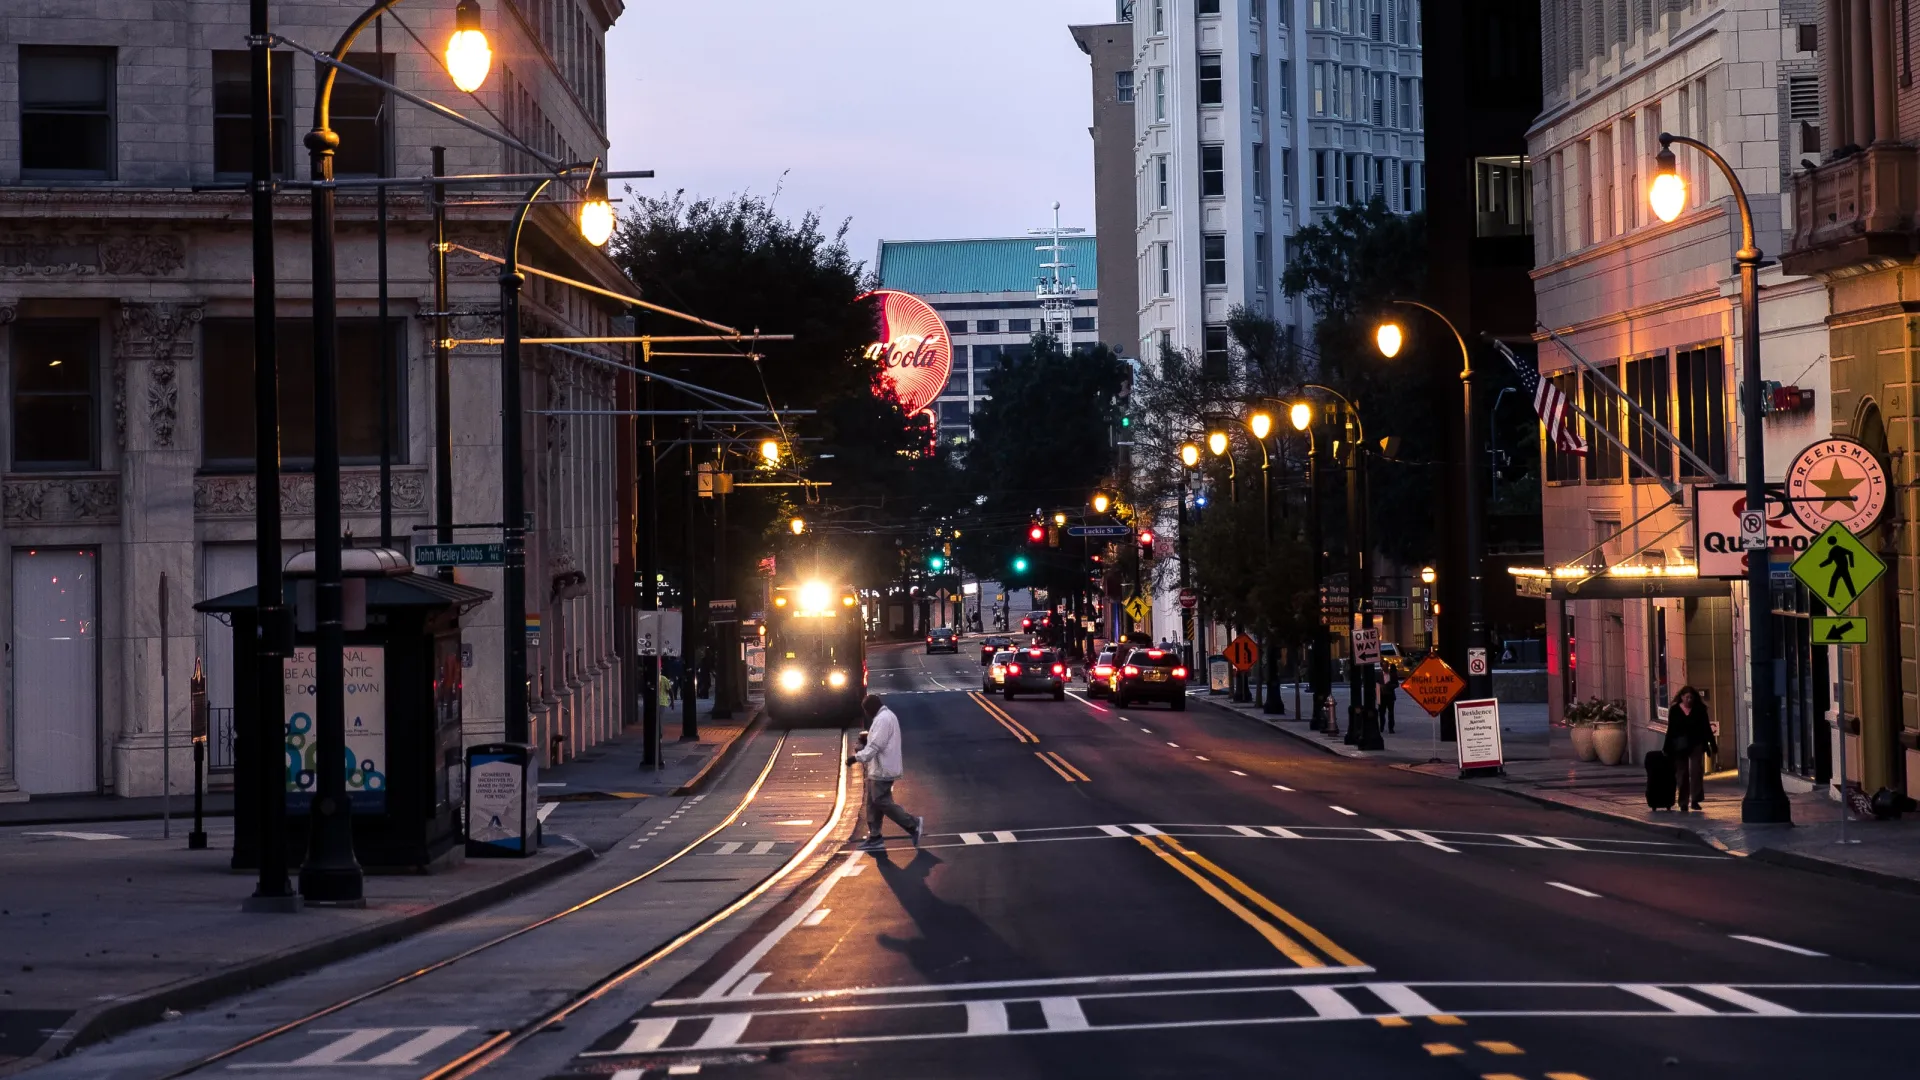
(1689, 742)
(881, 762)
(1389, 690)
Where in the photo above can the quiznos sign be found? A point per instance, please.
(1716, 520)
(914, 352)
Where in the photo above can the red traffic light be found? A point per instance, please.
(1036, 533)
(1146, 537)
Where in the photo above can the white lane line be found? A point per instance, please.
(1244, 830)
(1343, 810)
(986, 1018)
(1063, 1014)
(1757, 1005)
(1143, 730)
(1114, 830)
(1283, 833)
(1562, 844)
(1386, 834)
(814, 998)
(1281, 787)
(1175, 745)
(1236, 772)
(546, 811)
(764, 847)
(817, 917)
(1203, 758)
(1004, 837)
(1403, 1000)
(854, 863)
(729, 847)
(1772, 944)
(1574, 889)
(972, 838)
(63, 835)
(745, 987)
(724, 1031)
(683, 1070)
(1429, 840)
(1520, 841)
(1668, 1000)
(647, 1035)
(1328, 1002)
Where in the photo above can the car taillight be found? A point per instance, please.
(1179, 673)
(1059, 669)
(1013, 669)
(1129, 670)
(929, 639)
(1103, 669)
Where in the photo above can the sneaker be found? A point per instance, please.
(919, 825)
(872, 842)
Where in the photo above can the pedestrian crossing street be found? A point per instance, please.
(690, 1029)
(1445, 840)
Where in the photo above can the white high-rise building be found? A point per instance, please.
(1253, 118)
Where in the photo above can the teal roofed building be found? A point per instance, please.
(994, 294)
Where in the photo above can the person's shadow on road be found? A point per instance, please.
(954, 945)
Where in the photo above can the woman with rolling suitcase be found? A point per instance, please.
(1689, 741)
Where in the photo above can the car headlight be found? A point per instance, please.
(836, 679)
(792, 679)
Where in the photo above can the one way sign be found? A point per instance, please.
(1839, 630)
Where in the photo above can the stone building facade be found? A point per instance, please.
(126, 360)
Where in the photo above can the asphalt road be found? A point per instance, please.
(1152, 893)
(1102, 894)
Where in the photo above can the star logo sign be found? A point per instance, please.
(1838, 489)
(1837, 481)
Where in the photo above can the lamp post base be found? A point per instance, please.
(1766, 800)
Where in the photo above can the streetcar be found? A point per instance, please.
(816, 653)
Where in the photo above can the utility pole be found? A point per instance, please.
(649, 561)
(689, 660)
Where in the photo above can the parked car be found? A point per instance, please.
(1391, 659)
(996, 676)
(1100, 675)
(1151, 675)
(1036, 671)
(993, 645)
(943, 639)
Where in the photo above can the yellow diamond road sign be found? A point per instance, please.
(1837, 567)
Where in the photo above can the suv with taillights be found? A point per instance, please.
(1100, 675)
(943, 639)
(1036, 671)
(1151, 675)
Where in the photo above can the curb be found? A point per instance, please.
(1301, 736)
(106, 816)
(1675, 831)
(724, 754)
(1858, 875)
(108, 1019)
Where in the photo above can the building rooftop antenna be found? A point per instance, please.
(1056, 290)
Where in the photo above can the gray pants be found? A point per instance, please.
(880, 802)
(1689, 776)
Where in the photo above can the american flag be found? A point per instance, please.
(1548, 401)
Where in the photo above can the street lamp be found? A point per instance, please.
(1059, 519)
(596, 214)
(1189, 455)
(1426, 575)
(797, 525)
(1217, 442)
(1478, 686)
(1319, 659)
(468, 56)
(1101, 502)
(1260, 424)
(1389, 337)
(1300, 414)
(770, 451)
(1766, 800)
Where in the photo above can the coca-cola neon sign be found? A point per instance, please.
(914, 352)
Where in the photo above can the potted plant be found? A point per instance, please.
(1610, 732)
(1579, 717)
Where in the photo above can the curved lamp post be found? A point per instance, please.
(1319, 660)
(1766, 799)
(1363, 729)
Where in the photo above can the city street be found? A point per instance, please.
(1102, 893)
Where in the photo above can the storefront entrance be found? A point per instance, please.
(56, 659)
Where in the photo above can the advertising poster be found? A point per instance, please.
(496, 813)
(1478, 726)
(366, 728)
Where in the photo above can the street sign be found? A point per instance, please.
(723, 607)
(1389, 603)
(1476, 661)
(1837, 481)
(1721, 529)
(459, 554)
(1477, 724)
(1837, 567)
(1138, 607)
(1099, 530)
(1753, 530)
(1433, 685)
(1842, 630)
(1366, 646)
(1242, 653)
(1189, 598)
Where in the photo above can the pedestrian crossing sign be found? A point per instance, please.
(1839, 630)
(1837, 567)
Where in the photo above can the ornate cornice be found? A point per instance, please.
(92, 499)
(47, 253)
(232, 496)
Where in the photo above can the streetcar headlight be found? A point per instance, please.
(836, 679)
(814, 596)
(792, 679)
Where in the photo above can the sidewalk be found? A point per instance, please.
(105, 926)
(1541, 767)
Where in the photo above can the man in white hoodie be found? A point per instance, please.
(881, 762)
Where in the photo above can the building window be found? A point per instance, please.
(1319, 90)
(1123, 86)
(1084, 324)
(1213, 355)
(1213, 170)
(1285, 75)
(228, 391)
(364, 127)
(1703, 408)
(1419, 106)
(1350, 183)
(1161, 183)
(233, 113)
(1317, 13)
(1378, 94)
(1503, 193)
(1159, 16)
(1160, 94)
(1261, 259)
(1406, 23)
(1603, 457)
(1259, 83)
(1019, 326)
(1406, 105)
(956, 326)
(1319, 176)
(66, 113)
(1211, 89)
(1562, 466)
(1650, 387)
(1207, 7)
(987, 326)
(957, 381)
(953, 414)
(55, 415)
(1259, 171)
(1166, 268)
(1286, 173)
(986, 361)
(1213, 259)
(1282, 14)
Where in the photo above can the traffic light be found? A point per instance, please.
(1019, 564)
(936, 563)
(1036, 532)
(1146, 545)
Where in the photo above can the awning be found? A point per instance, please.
(1614, 582)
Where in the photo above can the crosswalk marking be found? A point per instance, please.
(1562, 844)
(1521, 840)
(729, 847)
(1244, 830)
(1402, 999)
(1747, 1001)
(1004, 837)
(1328, 1002)
(761, 848)
(1386, 834)
(986, 1018)
(411, 1051)
(337, 1051)
(1428, 839)
(971, 838)
(1667, 1000)
(817, 917)
(1147, 830)
(647, 1035)
(1283, 833)
(1113, 830)
(1063, 1014)
(724, 1031)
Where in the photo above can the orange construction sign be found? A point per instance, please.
(1242, 653)
(1433, 685)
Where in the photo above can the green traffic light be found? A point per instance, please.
(1020, 565)
(1126, 421)
(936, 563)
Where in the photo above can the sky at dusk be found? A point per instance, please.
(915, 119)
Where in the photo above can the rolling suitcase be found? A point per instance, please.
(1660, 791)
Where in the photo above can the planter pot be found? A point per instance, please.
(1582, 741)
(1610, 743)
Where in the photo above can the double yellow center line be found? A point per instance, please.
(1062, 766)
(1006, 721)
(1271, 921)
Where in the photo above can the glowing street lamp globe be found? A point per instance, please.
(1189, 455)
(1300, 415)
(1217, 442)
(469, 58)
(1389, 337)
(1260, 423)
